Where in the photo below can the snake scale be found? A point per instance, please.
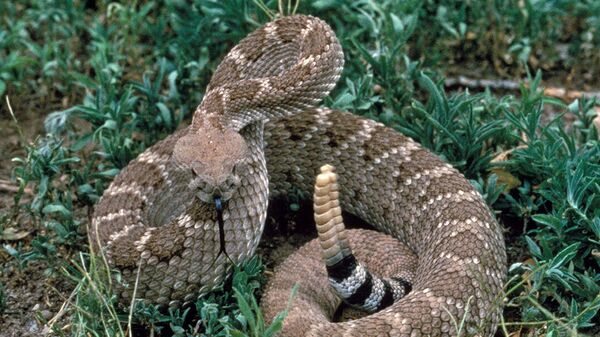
(176, 218)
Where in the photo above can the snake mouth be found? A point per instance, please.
(208, 189)
(207, 193)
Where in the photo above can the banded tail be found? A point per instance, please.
(350, 279)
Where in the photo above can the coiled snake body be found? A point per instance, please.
(257, 135)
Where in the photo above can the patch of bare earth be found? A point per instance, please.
(27, 289)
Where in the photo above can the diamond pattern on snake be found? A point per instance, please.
(438, 253)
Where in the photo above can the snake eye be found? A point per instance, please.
(240, 167)
(232, 182)
(199, 185)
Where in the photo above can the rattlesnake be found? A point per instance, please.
(257, 134)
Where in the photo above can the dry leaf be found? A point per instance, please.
(515, 334)
(12, 234)
(505, 178)
(502, 156)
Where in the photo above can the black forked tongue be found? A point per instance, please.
(219, 208)
(222, 247)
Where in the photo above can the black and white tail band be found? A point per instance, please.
(351, 280)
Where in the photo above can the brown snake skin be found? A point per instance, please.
(257, 135)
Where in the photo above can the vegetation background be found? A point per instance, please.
(88, 85)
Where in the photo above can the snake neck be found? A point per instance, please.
(245, 213)
(282, 68)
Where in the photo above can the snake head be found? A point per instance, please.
(215, 157)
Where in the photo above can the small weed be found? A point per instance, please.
(92, 305)
(222, 312)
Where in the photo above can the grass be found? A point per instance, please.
(118, 77)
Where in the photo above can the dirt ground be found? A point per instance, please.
(25, 292)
